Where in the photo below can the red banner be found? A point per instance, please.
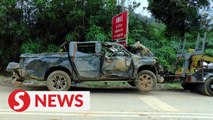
(120, 26)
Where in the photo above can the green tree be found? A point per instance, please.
(179, 16)
(35, 26)
(13, 31)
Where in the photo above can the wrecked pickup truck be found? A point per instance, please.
(90, 61)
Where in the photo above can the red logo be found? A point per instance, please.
(19, 100)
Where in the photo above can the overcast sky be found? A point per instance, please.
(141, 10)
(145, 12)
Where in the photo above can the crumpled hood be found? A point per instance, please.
(142, 50)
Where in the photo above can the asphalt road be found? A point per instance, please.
(121, 104)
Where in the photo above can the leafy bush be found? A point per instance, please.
(38, 47)
(151, 34)
(52, 48)
(32, 47)
(209, 50)
(95, 33)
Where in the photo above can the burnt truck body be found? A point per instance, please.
(89, 61)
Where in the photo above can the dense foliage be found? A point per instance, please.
(180, 16)
(34, 26)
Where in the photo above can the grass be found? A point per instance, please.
(104, 84)
(174, 85)
(117, 84)
(101, 84)
(4, 80)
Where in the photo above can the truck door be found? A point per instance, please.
(86, 61)
(117, 64)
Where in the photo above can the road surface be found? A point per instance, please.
(121, 104)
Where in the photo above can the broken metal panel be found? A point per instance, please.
(116, 66)
(12, 66)
(81, 54)
(71, 48)
(116, 61)
(115, 75)
(141, 49)
(86, 61)
(98, 47)
(87, 65)
(34, 66)
(141, 61)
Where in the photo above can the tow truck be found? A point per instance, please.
(197, 71)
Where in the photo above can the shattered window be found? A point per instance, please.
(87, 48)
(113, 51)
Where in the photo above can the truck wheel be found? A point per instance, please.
(58, 81)
(146, 81)
(189, 86)
(207, 87)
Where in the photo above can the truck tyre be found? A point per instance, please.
(145, 81)
(207, 87)
(189, 86)
(58, 81)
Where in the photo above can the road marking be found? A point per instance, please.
(112, 114)
(157, 104)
